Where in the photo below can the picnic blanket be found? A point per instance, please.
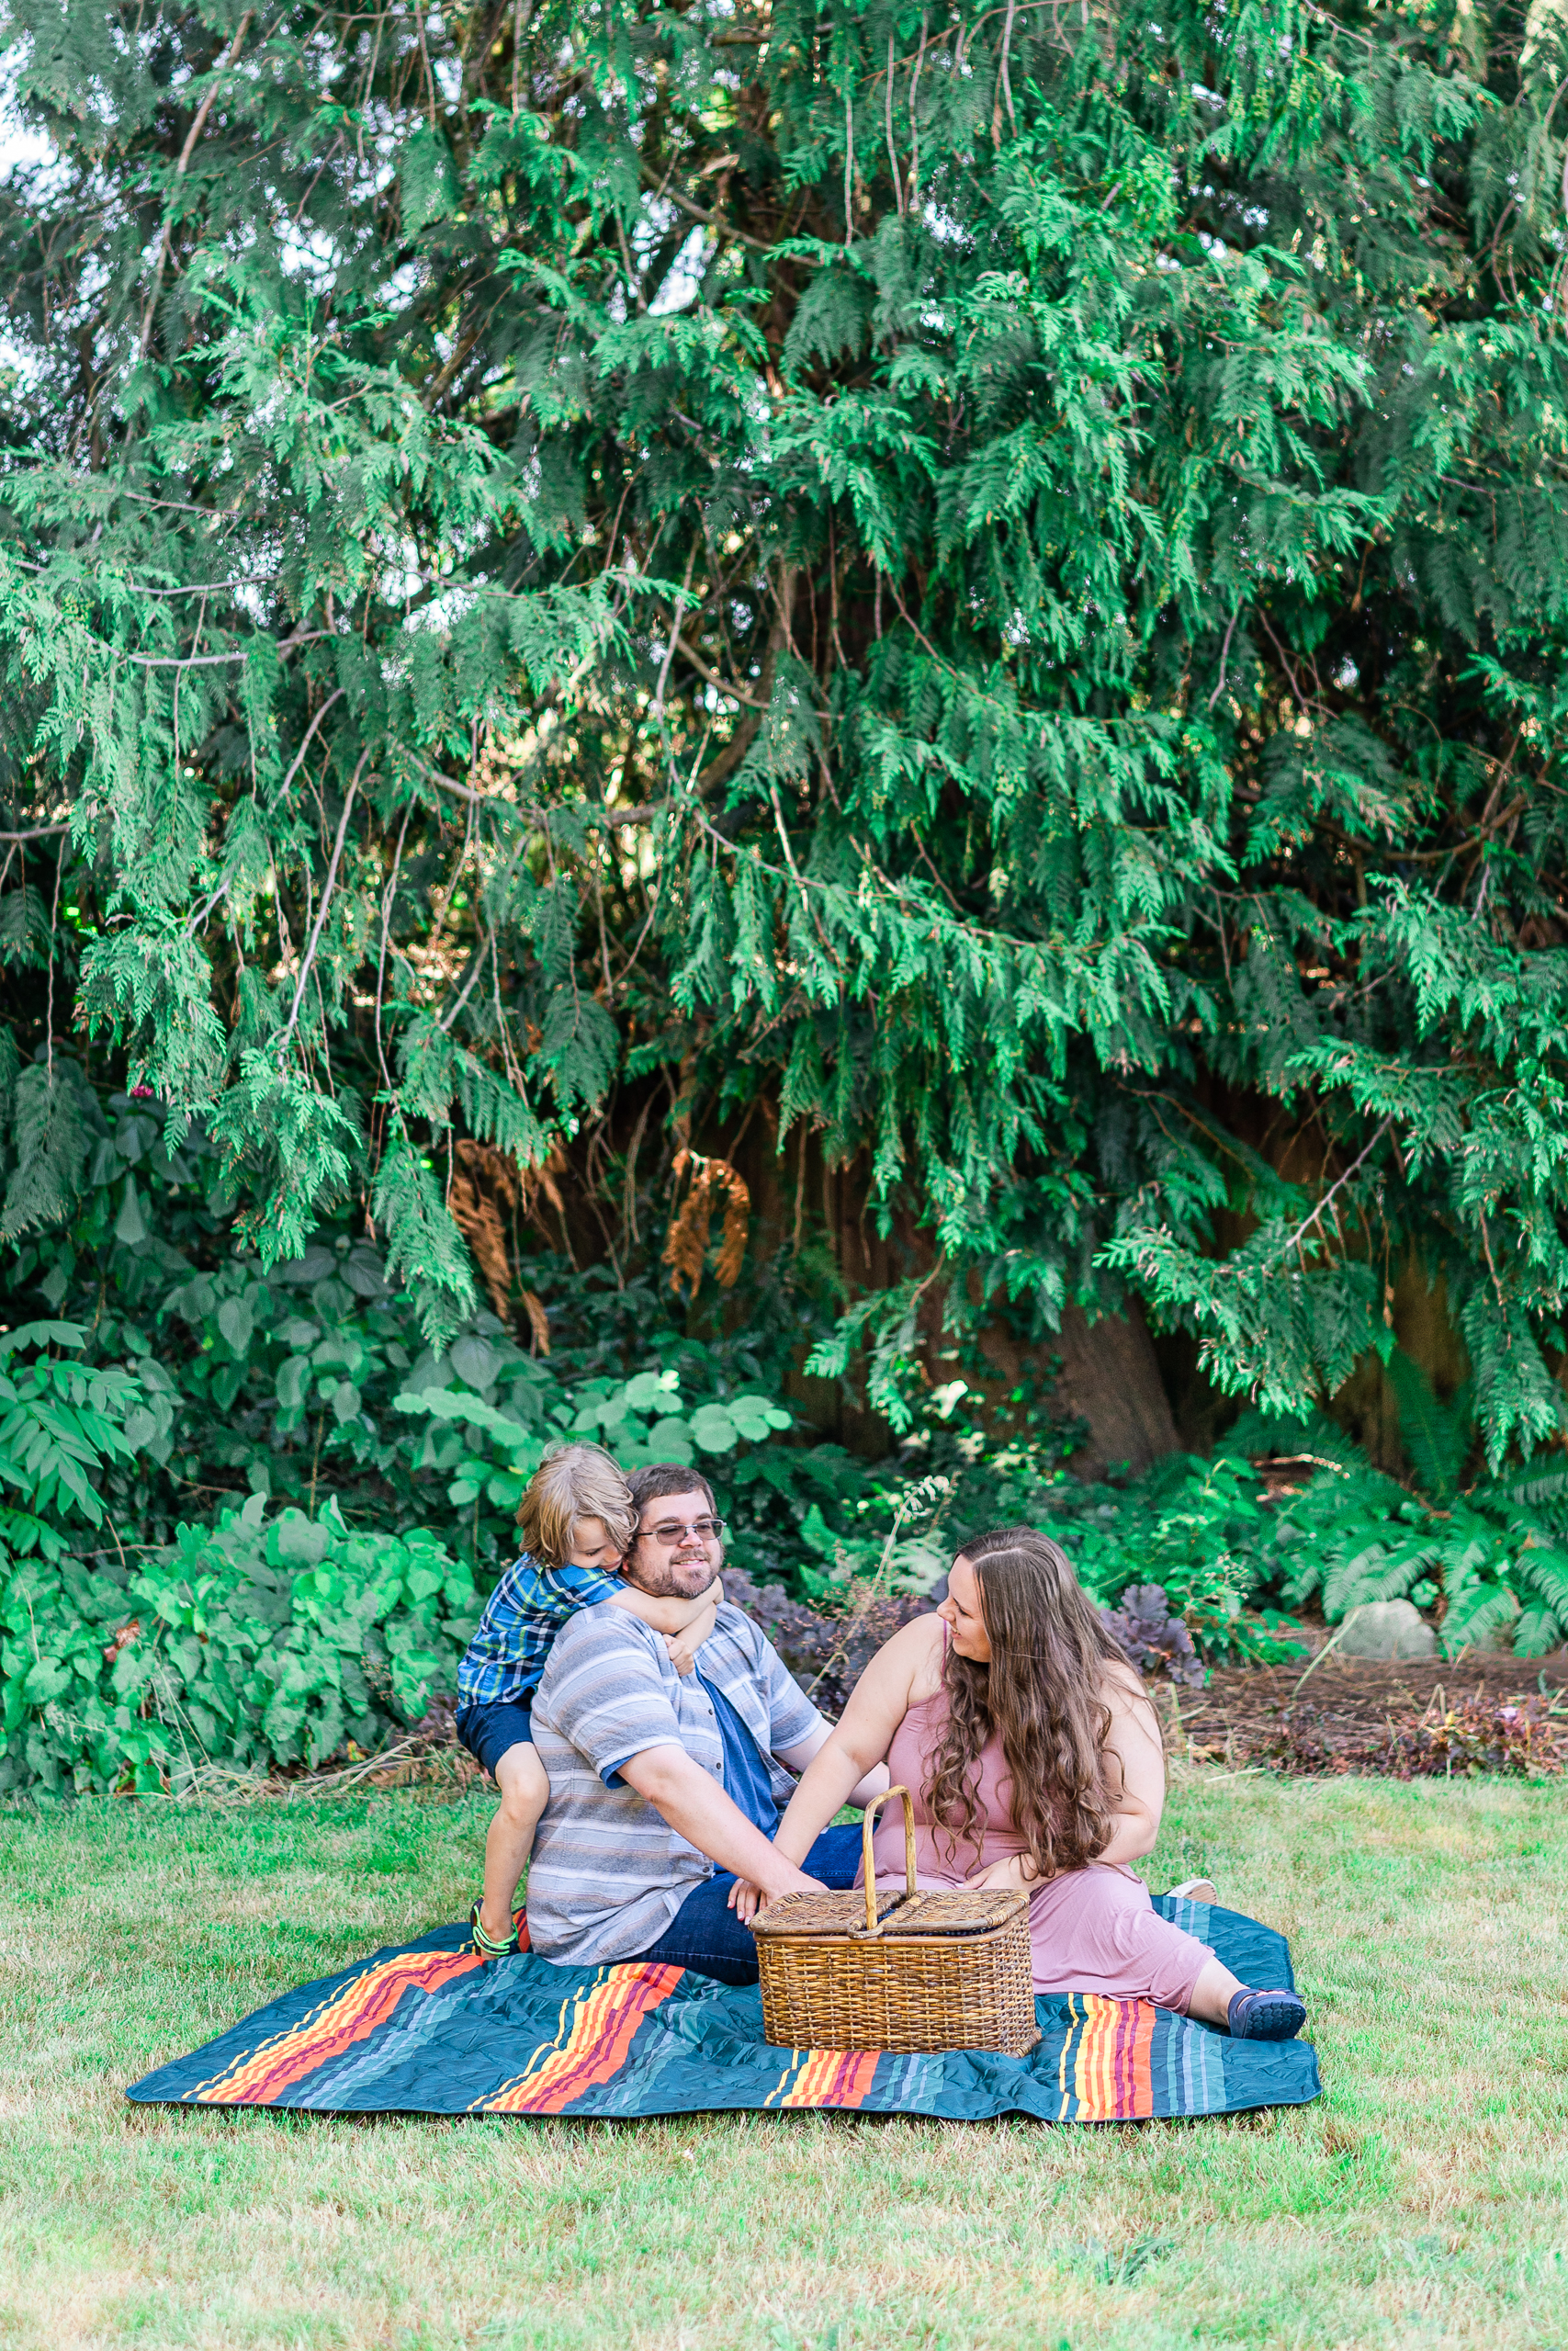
(434, 2028)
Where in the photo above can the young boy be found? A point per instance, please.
(578, 1522)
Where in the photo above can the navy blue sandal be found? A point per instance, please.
(1266, 2016)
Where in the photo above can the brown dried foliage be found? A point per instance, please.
(686, 1243)
(486, 1187)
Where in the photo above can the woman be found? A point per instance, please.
(1035, 1761)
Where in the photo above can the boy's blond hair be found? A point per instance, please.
(574, 1483)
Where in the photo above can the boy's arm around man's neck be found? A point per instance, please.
(668, 1615)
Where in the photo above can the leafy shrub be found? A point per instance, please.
(260, 1643)
(1195, 1529)
(1494, 1558)
(1236, 1551)
(60, 1422)
(826, 1654)
(294, 1384)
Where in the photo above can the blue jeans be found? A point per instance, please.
(706, 1936)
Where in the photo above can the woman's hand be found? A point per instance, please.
(1005, 1875)
(745, 1900)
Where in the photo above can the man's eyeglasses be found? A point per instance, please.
(670, 1532)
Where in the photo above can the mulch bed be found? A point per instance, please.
(1351, 1714)
(1347, 1715)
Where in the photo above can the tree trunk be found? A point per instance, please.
(1110, 1379)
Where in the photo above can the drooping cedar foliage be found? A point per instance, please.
(992, 576)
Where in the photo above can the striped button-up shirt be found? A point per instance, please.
(608, 1872)
(507, 1654)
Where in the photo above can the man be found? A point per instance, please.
(664, 1788)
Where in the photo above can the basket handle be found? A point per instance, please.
(872, 1924)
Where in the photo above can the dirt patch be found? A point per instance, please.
(1411, 1719)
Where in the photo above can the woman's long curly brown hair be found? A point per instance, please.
(1042, 1692)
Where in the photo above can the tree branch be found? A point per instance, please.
(1337, 1185)
(328, 887)
(203, 110)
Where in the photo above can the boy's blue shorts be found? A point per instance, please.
(487, 1731)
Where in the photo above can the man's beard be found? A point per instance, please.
(664, 1577)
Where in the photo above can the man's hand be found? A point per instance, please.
(746, 1899)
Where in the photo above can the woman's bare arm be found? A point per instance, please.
(878, 1703)
(1133, 1742)
(806, 1750)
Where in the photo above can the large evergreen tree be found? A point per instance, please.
(990, 578)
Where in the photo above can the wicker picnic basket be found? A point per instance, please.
(910, 1970)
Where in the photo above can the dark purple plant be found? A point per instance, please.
(1150, 1637)
(826, 1655)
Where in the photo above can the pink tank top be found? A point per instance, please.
(942, 1857)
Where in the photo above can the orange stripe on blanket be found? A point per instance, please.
(837, 2077)
(596, 2033)
(1113, 2079)
(352, 2015)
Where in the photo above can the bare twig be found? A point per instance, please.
(892, 150)
(710, 220)
(849, 169)
(327, 890)
(1336, 1186)
(1332, 1643)
(724, 686)
(299, 758)
(203, 110)
(1224, 657)
(1004, 84)
(914, 119)
(182, 660)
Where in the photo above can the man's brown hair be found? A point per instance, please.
(663, 1477)
(575, 1483)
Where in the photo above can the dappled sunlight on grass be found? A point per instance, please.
(1418, 2203)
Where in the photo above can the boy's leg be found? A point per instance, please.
(524, 1792)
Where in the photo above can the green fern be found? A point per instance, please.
(51, 1132)
(1438, 1438)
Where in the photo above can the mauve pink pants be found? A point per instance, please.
(1095, 1930)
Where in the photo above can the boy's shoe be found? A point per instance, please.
(1193, 1890)
(1266, 2016)
(486, 1945)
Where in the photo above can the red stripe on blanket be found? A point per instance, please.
(1113, 2079)
(595, 2041)
(836, 2077)
(352, 2015)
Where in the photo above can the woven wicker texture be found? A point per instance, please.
(902, 1972)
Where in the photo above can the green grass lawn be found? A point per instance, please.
(1423, 2200)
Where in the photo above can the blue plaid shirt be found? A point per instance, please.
(527, 1609)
